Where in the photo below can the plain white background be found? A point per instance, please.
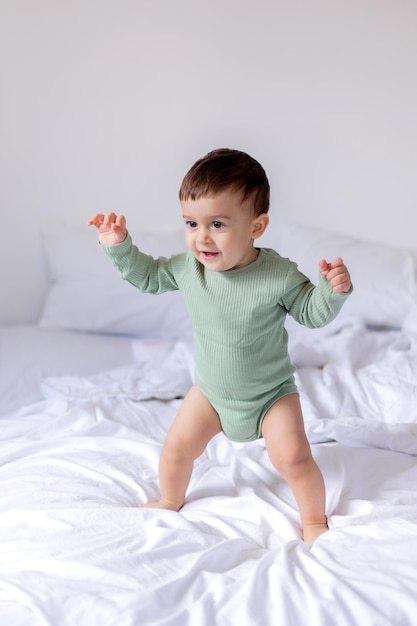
(106, 103)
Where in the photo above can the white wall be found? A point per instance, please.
(106, 103)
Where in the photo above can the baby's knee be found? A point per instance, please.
(292, 462)
(173, 448)
(178, 449)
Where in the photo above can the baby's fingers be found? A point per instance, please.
(114, 222)
(97, 220)
(110, 218)
(340, 279)
(120, 222)
(341, 283)
(336, 263)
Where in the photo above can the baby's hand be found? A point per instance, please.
(111, 228)
(337, 274)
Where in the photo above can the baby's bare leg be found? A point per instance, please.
(290, 453)
(195, 424)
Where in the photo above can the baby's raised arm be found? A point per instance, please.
(111, 228)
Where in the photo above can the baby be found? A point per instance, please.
(238, 297)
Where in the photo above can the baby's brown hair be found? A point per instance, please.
(226, 168)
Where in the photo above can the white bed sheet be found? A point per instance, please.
(75, 548)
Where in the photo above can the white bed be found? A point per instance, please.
(87, 396)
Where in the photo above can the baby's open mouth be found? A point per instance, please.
(209, 255)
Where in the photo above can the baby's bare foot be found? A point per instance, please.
(162, 504)
(312, 531)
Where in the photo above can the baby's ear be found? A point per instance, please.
(260, 224)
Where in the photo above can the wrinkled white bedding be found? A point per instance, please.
(75, 548)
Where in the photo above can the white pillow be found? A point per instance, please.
(410, 322)
(383, 277)
(87, 293)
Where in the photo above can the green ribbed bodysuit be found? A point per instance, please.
(242, 362)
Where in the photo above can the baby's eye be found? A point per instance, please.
(191, 224)
(217, 224)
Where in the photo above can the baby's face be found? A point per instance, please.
(220, 230)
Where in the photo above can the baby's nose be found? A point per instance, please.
(203, 235)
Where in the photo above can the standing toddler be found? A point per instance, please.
(238, 296)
